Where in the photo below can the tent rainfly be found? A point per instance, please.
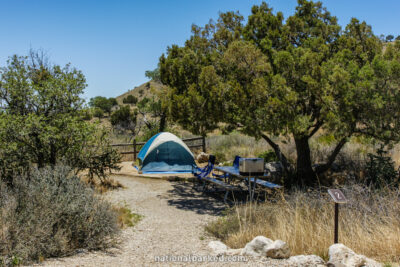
(166, 153)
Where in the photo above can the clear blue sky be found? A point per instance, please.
(115, 42)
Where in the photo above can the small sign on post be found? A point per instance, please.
(339, 198)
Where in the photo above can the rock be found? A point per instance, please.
(306, 260)
(274, 167)
(340, 255)
(218, 247)
(278, 250)
(232, 252)
(257, 247)
(262, 246)
(202, 157)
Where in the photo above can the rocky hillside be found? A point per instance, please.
(148, 89)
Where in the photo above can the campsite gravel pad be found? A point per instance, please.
(173, 224)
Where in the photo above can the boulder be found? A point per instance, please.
(261, 246)
(202, 157)
(218, 247)
(257, 247)
(306, 260)
(274, 167)
(233, 252)
(342, 256)
(278, 250)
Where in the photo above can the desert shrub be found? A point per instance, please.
(123, 116)
(130, 99)
(268, 156)
(87, 114)
(126, 218)
(103, 103)
(52, 213)
(380, 169)
(368, 222)
(98, 113)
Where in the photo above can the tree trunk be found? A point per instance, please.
(286, 165)
(304, 172)
(162, 123)
(53, 154)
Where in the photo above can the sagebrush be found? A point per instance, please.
(51, 213)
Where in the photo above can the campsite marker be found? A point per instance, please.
(338, 197)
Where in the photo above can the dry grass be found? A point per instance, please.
(228, 146)
(369, 223)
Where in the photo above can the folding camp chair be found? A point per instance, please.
(201, 173)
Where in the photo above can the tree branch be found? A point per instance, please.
(317, 126)
(323, 168)
(278, 153)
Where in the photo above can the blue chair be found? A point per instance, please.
(201, 173)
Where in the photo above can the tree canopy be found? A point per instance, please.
(292, 78)
(42, 118)
(103, 103)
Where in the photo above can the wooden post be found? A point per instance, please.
(204, 143)
(336, 235)
(134, 149)
(338, 197)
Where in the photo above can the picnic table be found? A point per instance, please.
(249, 179)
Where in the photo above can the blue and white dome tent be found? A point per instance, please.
(166, 153)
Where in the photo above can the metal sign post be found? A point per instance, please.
(338, 197)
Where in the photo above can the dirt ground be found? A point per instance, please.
(174, 216)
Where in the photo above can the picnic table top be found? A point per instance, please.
(235, 172)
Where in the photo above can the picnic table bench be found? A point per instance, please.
(251, 180)
(228, 188)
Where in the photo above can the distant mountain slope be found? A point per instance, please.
(148, 89)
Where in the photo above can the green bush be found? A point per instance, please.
(98, 113)
(51, 213)
(268, 156)
(380, 169)
(123, 117)
(130, 99)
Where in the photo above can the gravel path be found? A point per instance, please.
(173, 225)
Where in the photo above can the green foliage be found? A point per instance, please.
(103, 103)
(98, 113)
(124, 117)
(293, 77)
(130, 99)
(380, 169)
(87, 114)
(398, 38)
(113, 101)
(43, 102)
(155, 109)
(389, 38)
(148, 132)
(268, 156)
(153, 74)
(52, 213)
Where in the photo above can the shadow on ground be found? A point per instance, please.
(185, 196)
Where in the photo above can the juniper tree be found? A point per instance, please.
(290, 78)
